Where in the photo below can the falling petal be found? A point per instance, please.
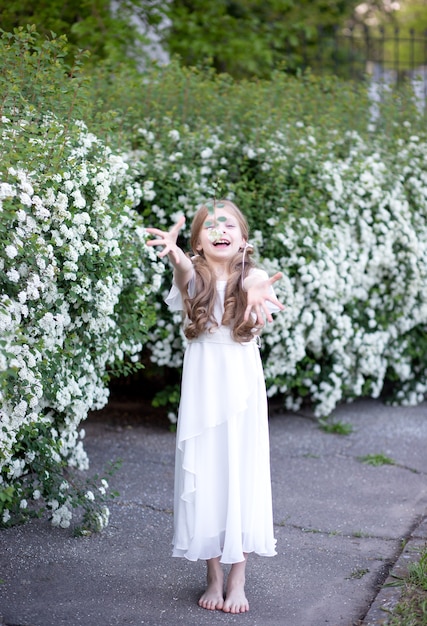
(215, 235)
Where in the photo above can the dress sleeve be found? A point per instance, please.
(174, 297)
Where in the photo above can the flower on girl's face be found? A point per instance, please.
(220, 237)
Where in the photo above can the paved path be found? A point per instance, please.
(340, 526)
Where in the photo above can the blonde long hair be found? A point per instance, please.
(200, 309)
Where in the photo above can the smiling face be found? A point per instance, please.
(233, 233)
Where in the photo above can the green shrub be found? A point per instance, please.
(343, 215)
(333, 186)
(75, 275)
(335, 193)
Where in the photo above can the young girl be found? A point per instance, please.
(222, 507)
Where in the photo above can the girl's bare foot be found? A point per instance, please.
(236, 602)
(213, 598)
(235, 599)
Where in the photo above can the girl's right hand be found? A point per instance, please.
(168, 240)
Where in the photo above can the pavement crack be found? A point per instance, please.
(391, 462)
(141, 505)
(333, 533)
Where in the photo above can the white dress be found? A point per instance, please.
(222, 501)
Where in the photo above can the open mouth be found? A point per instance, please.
(221, 242)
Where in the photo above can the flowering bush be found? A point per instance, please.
(75, 277)
(340, 208)
(357, 264)
(344, 218)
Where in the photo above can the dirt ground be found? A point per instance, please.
(132, 406)
(131, 412)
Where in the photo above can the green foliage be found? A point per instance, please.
(417, 572)
(251, 38)
(376, 460)
(92, 25)
(32, 71)
(334, 200)
(358, 573)
(412, 15)
(248, 110)
(247, 39)
(168, 396)
(314, 195)
(267, 144)
(411, 610)
(41, 73)
(50, 486)
(334, 427)
(241, 38)
(75, 275)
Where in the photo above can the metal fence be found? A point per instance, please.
(390, 57)
(350, 52)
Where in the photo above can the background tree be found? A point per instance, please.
(251, 37)
(243, 38)
(239, 37)
(112, 31)
(405, 14)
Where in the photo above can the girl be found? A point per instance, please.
(222, 507)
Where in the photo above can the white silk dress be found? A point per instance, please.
(222, 498)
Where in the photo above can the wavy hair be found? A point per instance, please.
(200, 308)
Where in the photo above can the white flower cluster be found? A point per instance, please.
(75, 276)
(346, 221)
(358, 271)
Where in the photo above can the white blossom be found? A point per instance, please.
(11, 251)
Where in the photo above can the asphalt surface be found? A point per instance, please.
(341, 526)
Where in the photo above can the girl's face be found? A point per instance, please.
(231, 238)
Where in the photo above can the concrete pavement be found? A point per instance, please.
(340, 526)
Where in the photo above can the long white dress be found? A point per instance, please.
(222, 499)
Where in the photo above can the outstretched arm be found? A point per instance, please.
(182, 264)
(259, 292)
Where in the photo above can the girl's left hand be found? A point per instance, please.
(259, 293)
